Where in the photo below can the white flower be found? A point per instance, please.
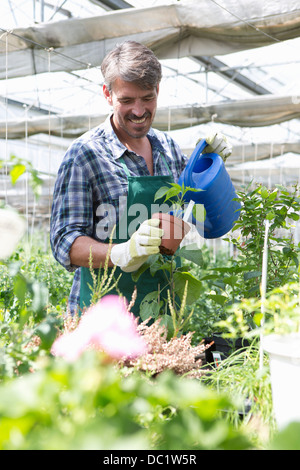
(12, 228)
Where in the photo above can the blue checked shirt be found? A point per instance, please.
(91, 174)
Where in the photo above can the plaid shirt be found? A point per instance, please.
(91, 174)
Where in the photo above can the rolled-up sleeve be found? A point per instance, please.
(72, 211)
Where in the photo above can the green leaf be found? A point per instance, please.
(257, 318)
(190, 253)
(295, 259)
(47, 332)
(20, 288)
(251, 275)
(166, 320)
(218, 298)
(209, 277)
(294, 216)
(161, 192)
(39, 298)
(16, 171)
(36, 183)
(136, 274)
(174, 191)
(287, 438)
(264, 192)
(194, 286)
(273, 195)
(270, 215)
(150, 306)
(230, 280)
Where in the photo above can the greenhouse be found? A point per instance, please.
(190, 348)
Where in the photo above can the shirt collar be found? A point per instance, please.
(119, 148)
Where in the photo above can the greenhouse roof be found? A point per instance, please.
(232, 65)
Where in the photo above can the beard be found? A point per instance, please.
(134, 126)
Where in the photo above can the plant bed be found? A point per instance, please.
(176, 354)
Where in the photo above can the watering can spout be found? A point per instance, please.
(207, 173)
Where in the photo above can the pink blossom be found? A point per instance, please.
(106, 326)
(69, 345)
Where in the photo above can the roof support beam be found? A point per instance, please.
(217, 66)
(112, 4)
(211, 63)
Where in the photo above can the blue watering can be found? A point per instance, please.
(208, 173)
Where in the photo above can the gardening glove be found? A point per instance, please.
(218, 143)
(130, 255)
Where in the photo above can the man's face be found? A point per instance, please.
(133, 108)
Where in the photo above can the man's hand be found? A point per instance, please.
(129, 256)
(218, 143)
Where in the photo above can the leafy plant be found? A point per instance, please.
(30, 330)
(241, 377)
(280, 312)
(104, 281)
(33, 301)
(176, 194)
(241, 278)
(90, 404)
(182, 289)
(19, 166)
(281, 207)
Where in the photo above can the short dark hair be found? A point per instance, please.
(132, 62)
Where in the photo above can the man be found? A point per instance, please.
(111, 170)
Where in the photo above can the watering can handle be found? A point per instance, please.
(192, 160)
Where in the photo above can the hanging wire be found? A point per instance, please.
(6, 116)
(255, 160)
(270, 167)
(43, 47)
(246, 22)
(243, 161)
(49, 51)
(26, 173)
(281, 168)
(264, 288)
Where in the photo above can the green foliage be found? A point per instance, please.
(30, 319)
(175, 194)
(20, 166)
(182, 289)
(281, 207)
(280, 311)
(33, 297)
(90, 405)
(239, 278)
(34, 264)
(241, 377)
(104, 281)
(287, 439)
(46, 403)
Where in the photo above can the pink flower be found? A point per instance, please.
(106, 326)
